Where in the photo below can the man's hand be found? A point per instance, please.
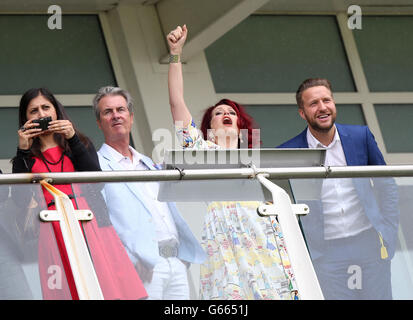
(144, 273)
(176, 39)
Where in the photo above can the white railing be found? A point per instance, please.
(306, 279)
(210, 174)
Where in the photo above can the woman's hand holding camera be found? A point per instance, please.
(32, 129)
(63, 127)
(26, 134)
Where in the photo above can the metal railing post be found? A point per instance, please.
(84, 274)
(305, 276)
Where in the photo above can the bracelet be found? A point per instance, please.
(174, 58)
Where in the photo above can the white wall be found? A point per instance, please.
(141, 73)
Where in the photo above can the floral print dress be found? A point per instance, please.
(247, 258)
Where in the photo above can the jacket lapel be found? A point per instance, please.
(132, 186)
(148, 163)
(348, 146)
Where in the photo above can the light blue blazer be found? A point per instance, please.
(133, 221)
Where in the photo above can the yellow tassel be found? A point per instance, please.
(383, 249)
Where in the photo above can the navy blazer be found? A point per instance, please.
(380, 203)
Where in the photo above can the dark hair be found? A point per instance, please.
(309, 83)
(28, 96)
(245, 121)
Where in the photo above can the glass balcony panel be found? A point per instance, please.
(115, 272)
(206, 207)
(343, 232)
(30, 264)
(38, 272)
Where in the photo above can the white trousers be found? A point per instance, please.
(169, 281)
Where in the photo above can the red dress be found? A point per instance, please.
(117, 276)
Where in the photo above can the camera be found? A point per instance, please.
(43, 122)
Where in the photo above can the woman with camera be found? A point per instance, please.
(48, 142)
(46, 134)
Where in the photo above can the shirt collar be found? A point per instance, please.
(314, 143)
(118, 157)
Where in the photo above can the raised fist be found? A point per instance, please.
(176, 39)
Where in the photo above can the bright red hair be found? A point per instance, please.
(245, 121)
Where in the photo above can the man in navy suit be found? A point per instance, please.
(351, 230)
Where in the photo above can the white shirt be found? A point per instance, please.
(164, 223)
(343, 214)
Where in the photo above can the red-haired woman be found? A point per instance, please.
(246, 253)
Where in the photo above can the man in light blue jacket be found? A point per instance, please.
(156, 237)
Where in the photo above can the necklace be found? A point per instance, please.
(45, 161)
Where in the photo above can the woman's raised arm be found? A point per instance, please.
(180, 113)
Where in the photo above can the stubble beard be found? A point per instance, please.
(316, 127)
